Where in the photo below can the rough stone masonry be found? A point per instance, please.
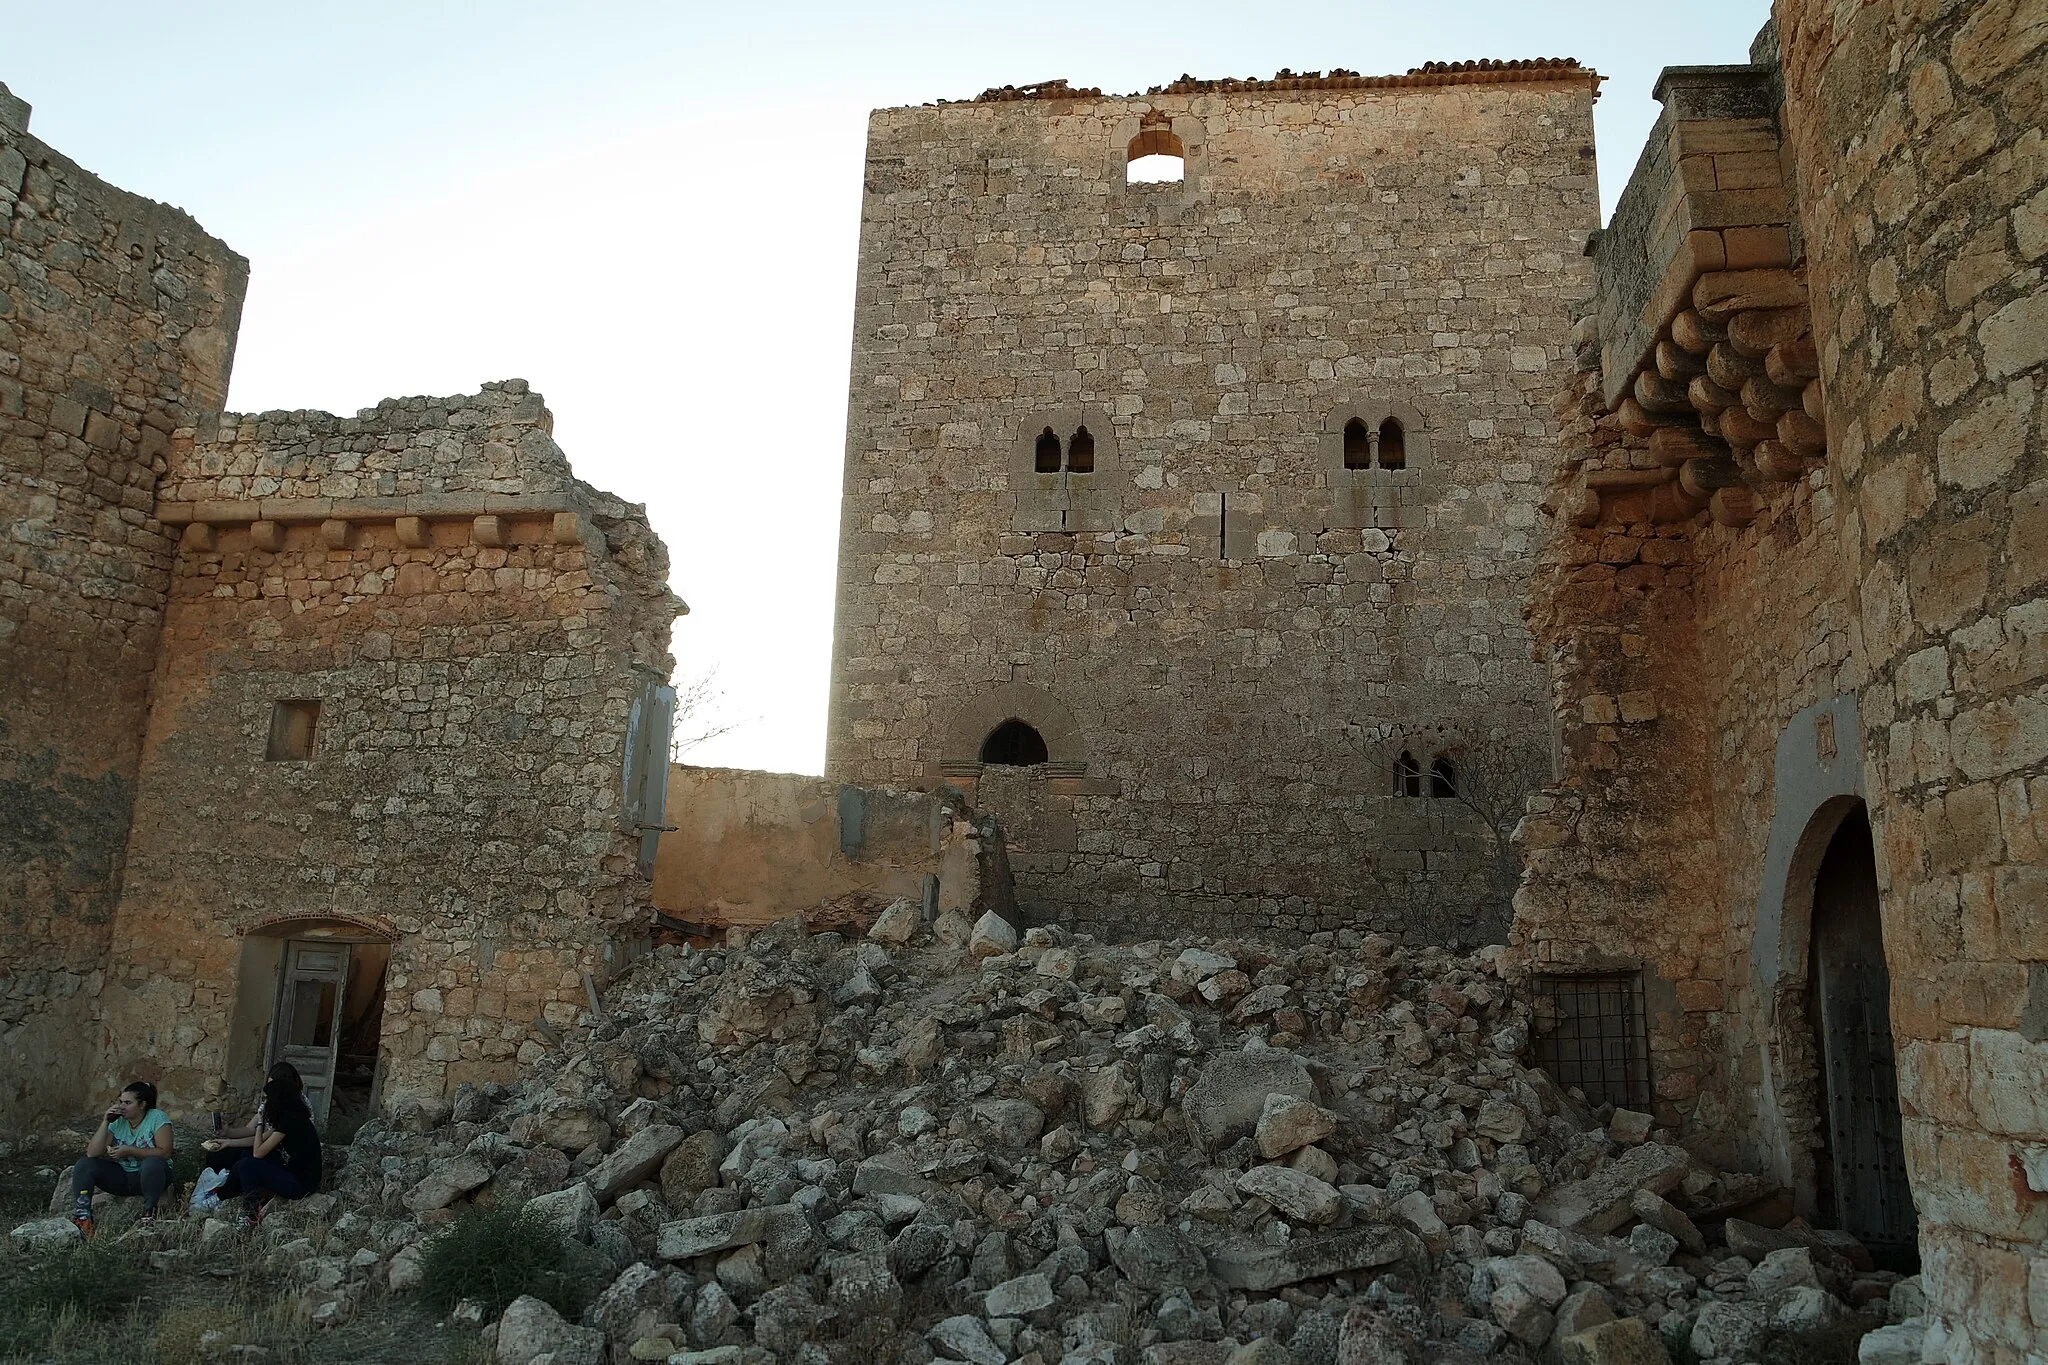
(286, 691)
(1099, 482)
(1793, 613)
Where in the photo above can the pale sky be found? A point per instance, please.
(651, 212)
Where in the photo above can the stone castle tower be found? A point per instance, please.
(1187, 522)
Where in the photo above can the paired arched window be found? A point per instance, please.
(1076, 455)
(1014, 744)
(1363, 449)
(1441, 779)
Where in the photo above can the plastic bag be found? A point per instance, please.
(206, 1193)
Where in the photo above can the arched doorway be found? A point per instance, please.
(1861, 1172)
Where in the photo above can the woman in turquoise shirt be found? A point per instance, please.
(129, 1155)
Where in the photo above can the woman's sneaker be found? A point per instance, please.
(81, 1216)
(146, 1219)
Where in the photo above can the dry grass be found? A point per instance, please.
(104, 1302)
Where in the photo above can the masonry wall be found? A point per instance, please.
(117, 326)
(1922, 165)
(1220, 628)
(474, 625)
(1830, 596)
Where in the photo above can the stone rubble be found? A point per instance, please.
(1339, 1157)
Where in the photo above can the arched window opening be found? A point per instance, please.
(1357, 445)
(1443, 778)
(1081, 452)
(1393, 445)
(1045, 456)
(1156, 157)
(1407, 775)
(1013, 744)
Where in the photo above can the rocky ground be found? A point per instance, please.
(943, 1143)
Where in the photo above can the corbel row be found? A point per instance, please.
(1729, 402)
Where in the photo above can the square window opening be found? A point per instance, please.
(292, 727)
(1590, 1032)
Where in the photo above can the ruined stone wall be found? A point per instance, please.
(117, 326)
(1217, 628)
(1693, 606)
(749, 848)
(1679, 655)
(1922, 163)
(474, 625)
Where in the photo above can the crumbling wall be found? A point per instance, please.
(474, 625)
(1200, 624)
(1921, 167)
(117, 326)
(749, 848)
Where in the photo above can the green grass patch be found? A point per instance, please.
(495, 1255)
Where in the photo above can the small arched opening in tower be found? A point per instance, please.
(1407, 775)
(1393, 445)
(1081, 452)
(1045, 456)
(1156, 157)
(1443, 778)
(1357, 445)
(1013, 744)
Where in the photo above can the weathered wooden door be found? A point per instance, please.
(309, 1000)
(1852, 998)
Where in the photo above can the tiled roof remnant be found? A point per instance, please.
(1486, 71)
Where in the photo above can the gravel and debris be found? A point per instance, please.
(954, 1142)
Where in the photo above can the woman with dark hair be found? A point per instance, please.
(129, 1155)
(284, 1160)
(228, 1146)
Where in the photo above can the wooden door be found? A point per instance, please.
(1867, 1184)
(309, 1001)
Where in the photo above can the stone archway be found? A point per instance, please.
(310, 990)
(962, 740)
(1815, 786)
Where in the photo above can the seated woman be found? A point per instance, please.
(285, 1160)
(129, 1155)
(228, 1146)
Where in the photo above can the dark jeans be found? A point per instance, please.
(226, 1159)
(259, 1175)
(105, 1173)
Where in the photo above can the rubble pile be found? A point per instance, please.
(946, 1143)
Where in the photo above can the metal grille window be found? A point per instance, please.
(1590, 1031)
